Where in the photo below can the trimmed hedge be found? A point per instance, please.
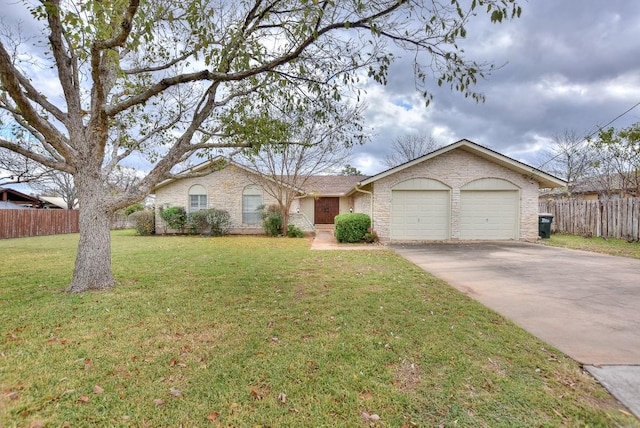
(351, 227)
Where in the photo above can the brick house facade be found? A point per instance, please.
(482, 195)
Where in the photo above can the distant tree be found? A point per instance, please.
(60, 184)
(618, 161)
(350, 170)
(408, 147)
(570, 157)
(17, 169)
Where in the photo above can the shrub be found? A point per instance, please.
(219, 221)
(294, 231)
(351, 227)
(271, 220)
(197, 222)
(371, 236)
(133, 208)
(144, 222)
(174, 218)
(211, 221)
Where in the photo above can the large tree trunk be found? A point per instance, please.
(93, 262)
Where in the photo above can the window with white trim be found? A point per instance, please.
(197, 198)
(251, 200)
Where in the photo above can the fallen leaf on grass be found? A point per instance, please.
(256, 395)
(158, 402)
(87, 364)
(97, 389)
(83, 399)
(282, 397)
(370, 417)
(213, 416)
(366, 396)
(175, 392)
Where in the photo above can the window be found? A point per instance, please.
(251, 200)
(197, 198)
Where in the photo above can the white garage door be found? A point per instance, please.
(420, 214)
(489, 214)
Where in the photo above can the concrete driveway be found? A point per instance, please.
(585, 304)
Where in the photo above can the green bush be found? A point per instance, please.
(144, 222)
(211, 221)
(133, 208)
(371, 236)
(294, 231)
(219, 221)
(351, 227)
(197, 222)
(174, 218)
(271, 220)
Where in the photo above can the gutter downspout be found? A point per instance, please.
(358, 189)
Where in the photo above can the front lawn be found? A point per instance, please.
(612, 246)
(246, 331)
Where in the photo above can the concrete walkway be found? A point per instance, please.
(584, 304)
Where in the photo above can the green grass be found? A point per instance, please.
(614, 247)
(249, 331)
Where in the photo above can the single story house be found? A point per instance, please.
(462, 191)
(13, 199)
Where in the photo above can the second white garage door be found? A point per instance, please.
(420, 215)
(489, 214)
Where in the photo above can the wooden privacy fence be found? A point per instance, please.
(23, 223)
(615, 218)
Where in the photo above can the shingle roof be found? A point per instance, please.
(331, 185)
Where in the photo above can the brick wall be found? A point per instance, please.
(455, 169)
(224, 191)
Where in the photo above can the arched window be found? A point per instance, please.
(251, 200)
(197, 198)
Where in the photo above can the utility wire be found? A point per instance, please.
(598, 129)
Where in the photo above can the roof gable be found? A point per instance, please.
(544, 179)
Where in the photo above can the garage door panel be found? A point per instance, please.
(420, 214)
(489, 215)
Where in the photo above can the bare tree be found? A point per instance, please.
(60, 184)
(319, 144)
(408, 147)
(570, 157)
(16, 169)
(168, 79)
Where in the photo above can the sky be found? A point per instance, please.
(562, 66)
(565, 66)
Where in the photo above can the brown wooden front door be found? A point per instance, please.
(326, 209)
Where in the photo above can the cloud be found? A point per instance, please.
(562, 66)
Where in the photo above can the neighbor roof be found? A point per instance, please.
(7, 205)
(12, 195)
(545, 180)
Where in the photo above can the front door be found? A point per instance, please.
(326, 209)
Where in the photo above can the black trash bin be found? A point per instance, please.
(544, 225)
